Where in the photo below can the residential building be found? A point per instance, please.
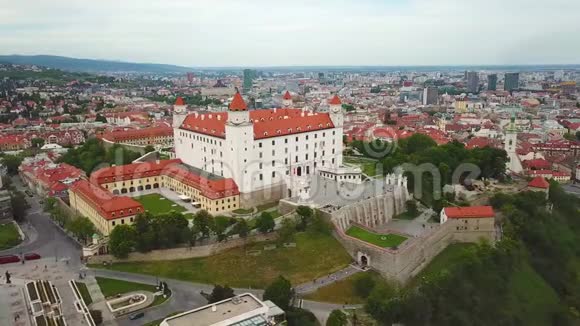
(430, 95)
(511, 81)
(472, 82)
(492, 82)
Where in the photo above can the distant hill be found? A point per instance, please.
(90, 65)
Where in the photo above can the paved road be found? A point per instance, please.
(43, 237)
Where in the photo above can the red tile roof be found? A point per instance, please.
(108, 205)
(469, 212)
(267, 123)
(132, 134)
(179, 101)
(213, 188)
(335, 100)
(238, 103)
(539, 182)
(287, 96)
(537, 164)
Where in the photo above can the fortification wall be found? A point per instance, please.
(183, 253)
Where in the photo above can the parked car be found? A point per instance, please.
(137, 316)
(28, 193)
(31, 256)
(9, 259)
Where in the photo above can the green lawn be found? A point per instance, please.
(157, 204)
(446, 258)
(316, 255)
(84, 293)
(267, 206)
(532, 297)
(243, 211)
(381, 240)
(342, 291)
(110, 287)
(9, 236)
(368, 166)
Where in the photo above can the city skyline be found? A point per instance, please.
(339, 33)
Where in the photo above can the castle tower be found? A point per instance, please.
(287, 100)
(510, 146)
(179, 112)
(239, 139)
(336, 111)
(179, 106)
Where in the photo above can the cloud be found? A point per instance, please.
(324, 32)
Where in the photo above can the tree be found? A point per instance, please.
(19, 205)
(220, 293)
(280, 292)
(122, 240)
(12, 162)
(149, 149)
(100, 118)
(97, 316)
(49, 204)
(221, 223)
(265, 222)
(202, 222)
(82, 228)
(241, 228)
(364, 285)
(37, 142)
(301, 317)
(305, 214)
(337, 318)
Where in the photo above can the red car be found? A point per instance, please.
(31, 256)
(9, 259)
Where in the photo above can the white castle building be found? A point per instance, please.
(261, 150)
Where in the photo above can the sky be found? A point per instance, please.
(214, 33)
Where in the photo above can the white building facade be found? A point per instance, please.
(261, 149)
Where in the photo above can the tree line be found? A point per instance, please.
(421, 149)
(93, 155)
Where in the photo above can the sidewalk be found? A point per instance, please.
(326, 280)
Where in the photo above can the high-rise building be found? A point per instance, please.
(430, 95)
(491, 82)
(472, 82)
(511, 81)
(249, 75)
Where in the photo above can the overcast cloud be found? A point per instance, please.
(299, 32)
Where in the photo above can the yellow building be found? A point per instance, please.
(215, 194)
(102, 208)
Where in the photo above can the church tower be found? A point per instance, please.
(287, 100)
(336, 111)
(510, 146)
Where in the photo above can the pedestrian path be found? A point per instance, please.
(326, 280)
